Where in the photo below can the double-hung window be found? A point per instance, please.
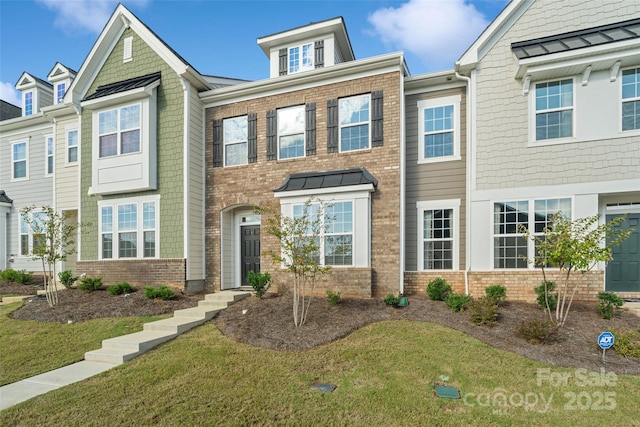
(439, 129)
(438, 224)
(61, 88)
(49, 156)
(554, 109)
(28, 103)
(354, 119)
(301, 58)
(291, 129)
(128, 229)
(31, 231)
(72, 146)
(19, 160)
(119, 131)
(235, 141)
(510, 248)
(631, 99)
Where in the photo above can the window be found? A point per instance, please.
(439, 129)
(291, 128)
(554, 109)
(72, 146)
(438, 246)
(30, 238)
(28, 103)
(61, 88)
(631, 99)
(119, 131)
(336, 231)
(127, 226)
(301, 58)
(49, 157)
(510, 248)
(354, 122)
(19, 160)
(235, 141)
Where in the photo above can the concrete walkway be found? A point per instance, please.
(116, 351)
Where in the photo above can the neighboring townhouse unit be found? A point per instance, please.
(555, 126)
(326, 127)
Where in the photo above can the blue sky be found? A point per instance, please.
(218, 37)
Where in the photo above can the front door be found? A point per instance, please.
(623, 272)
(250, 250)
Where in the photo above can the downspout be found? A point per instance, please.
(470, 154)
(402, 177)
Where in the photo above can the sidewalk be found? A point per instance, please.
(116, 351)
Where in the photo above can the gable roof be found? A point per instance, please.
(573, 40)
(327, 179)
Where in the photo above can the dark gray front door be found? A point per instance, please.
(250, 250)
(623, 272)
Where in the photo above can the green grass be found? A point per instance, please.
(385, 375)
(37, 347)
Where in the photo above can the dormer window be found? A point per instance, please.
(28, 103)
(301, 58)
(61, 88)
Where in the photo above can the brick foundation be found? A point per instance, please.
(350, 282)
(170, 272)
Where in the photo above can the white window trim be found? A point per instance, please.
(13, 161)
(56, 99)
(531, 214)
(304, 136)
(340, 126)
(628, 132)
(422, 206)
(301, 68)
(533, 142)
(29, 233)
(139, 201)
(33, 93)
(48, 138)
(454, 100)
(119, 131)
(67, 146)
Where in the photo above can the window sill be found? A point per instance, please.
(439, 160)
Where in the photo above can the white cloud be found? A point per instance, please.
(83, 15)
(9, 94)
(438, 31)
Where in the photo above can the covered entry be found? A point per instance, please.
(623, 272)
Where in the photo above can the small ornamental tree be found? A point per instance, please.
(299, 254)
(570, 246)
(53, 241)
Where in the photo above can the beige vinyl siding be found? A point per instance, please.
(432, 181)
(67, 186)
(195, 198)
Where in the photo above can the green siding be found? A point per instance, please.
(170, 131)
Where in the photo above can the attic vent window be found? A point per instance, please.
(128, 49)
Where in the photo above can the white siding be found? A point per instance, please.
(66, 174)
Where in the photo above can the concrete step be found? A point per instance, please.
(138, 341)
(175, 325)
(202, 313)
(110, 357)
(228, 296)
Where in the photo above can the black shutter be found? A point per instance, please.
(319, 54)
(252, 137)
(217, 143)
(283, 61)
(332, 126)
(310, 128)
(272, 135)
(376, 119)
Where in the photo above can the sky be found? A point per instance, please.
(218, 37)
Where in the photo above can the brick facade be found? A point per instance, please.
(170, 272)
(253, 184)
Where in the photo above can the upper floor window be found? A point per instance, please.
(301, 58)
(631, 99)
(49, 156)
(235, 137)
(119, 131)
(128, 229)
(439, 129)
(291, 129)
(554, 109)
(72, 146)
(354, 119)
(61, 88)
(28, 103)
(19, 160)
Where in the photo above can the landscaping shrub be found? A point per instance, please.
(67, 278)
(627, 342)
(609, 304)
(15, 276)
(163, 292)
(333, 297)
(484, 311)
(552, 296)
(90, 284)
(438, 289)
(497, 293)
(537, 331)
(457, 302)
(392, 300)
(260, 282)
(120, 289)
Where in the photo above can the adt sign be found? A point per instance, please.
(605, 340)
